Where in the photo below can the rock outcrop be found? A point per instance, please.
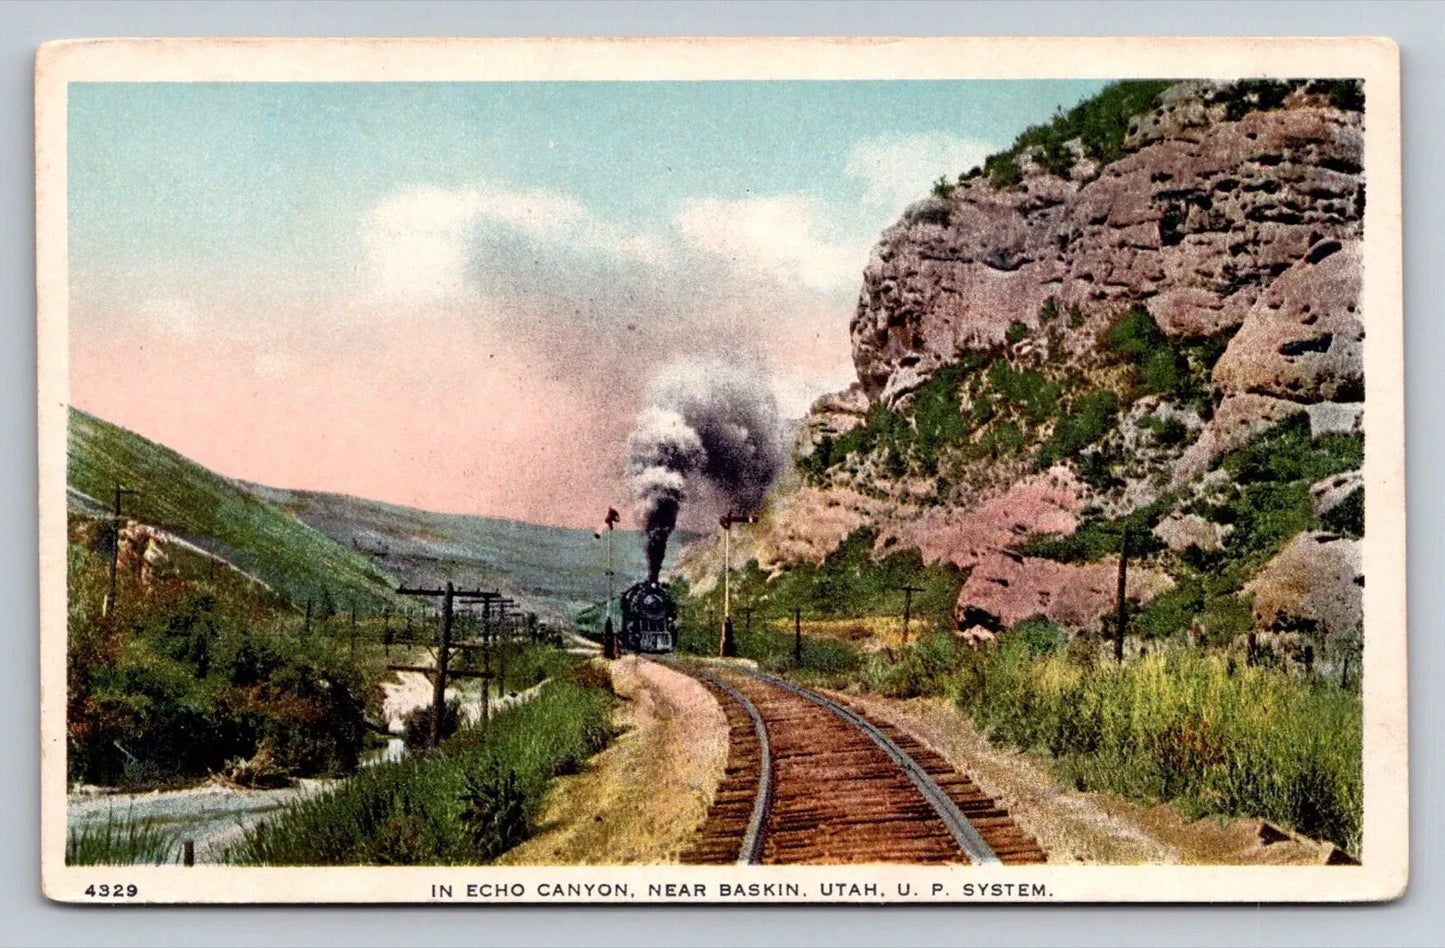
(1235, 227)
(1195, 224)
(1316, 579)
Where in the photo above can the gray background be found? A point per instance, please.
(26, 918)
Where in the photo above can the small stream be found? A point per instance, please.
(216, 814)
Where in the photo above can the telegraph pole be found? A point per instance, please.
(109, 606)
(439, 685)
(609, 631)
(797, 635)
(1121, 618)
(449, 595)
(908, 592)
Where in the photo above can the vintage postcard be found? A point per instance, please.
(696, 470)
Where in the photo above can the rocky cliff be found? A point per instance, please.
(1152, 324)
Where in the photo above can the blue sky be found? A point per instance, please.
(199, 172)
(249, 250)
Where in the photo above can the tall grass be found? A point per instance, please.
(1196, 730)
(821, 660)
(120, 841)
(474, 799)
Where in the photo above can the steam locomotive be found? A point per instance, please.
(649, 618)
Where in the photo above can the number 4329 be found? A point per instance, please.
(112, 891)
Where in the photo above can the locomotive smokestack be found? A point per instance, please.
(663, 522)
(711, 429)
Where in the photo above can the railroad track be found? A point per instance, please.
(810, 779)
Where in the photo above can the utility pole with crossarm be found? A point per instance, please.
(109, 606)
(449, 596)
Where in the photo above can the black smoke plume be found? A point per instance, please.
(711, 433)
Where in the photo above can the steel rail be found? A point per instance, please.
(964, 833)
(750, 853)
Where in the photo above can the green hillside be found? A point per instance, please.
(218, 515)
(554, 571)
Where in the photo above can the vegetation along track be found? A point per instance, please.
(811, 780)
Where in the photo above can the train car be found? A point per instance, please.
(649, 618)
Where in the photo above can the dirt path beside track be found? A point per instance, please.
(640, 800)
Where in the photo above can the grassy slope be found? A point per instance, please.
(218, 515)
(544, 566)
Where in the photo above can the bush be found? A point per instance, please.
(1003, 170)
(1181, 728)
(197, 670)
(1178, 368)
(1255, 95)
(1288, 452)
(1091, 416)
(467, 804)
(494, 810)
(416, 726)
(1347, 95)
(1095, 539)
(1168, 431)
(1099, 123)
(1348, 516)
(1135, 334)
(924, 668)
(1040, 635)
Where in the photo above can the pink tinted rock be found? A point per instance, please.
(1317, 577)
(1303, 339)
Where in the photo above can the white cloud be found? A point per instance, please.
(420, 246)
(770, 279)
(415, 243)
(775, 236)
(898, 170)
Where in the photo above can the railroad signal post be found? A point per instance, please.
(727, 647)
(609, 631)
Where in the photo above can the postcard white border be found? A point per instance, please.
(1385, 852)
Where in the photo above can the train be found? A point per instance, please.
(649, 618)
